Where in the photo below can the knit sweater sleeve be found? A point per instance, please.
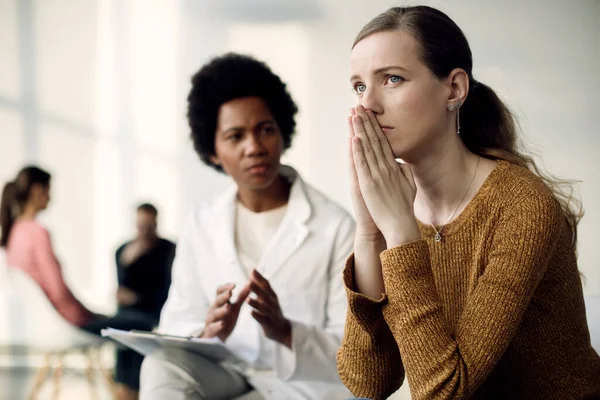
(368, 361)
(441, 364)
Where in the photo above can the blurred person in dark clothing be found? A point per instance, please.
(144, 266)
(144, 276)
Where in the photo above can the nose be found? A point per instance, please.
(371, 101)
(255, 146)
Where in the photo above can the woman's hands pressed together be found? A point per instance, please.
(383, 191)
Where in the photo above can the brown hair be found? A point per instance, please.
(14, 196)
(487, 126)
(149, 208)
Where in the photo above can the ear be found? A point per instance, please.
(215, 160)
(36, 189)
(458, 80)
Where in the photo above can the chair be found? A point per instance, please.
(28, 320)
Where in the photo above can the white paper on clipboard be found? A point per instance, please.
(146, 343)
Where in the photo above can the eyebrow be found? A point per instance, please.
(240, 128)
(381, 70)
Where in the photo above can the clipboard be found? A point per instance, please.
(146, 343)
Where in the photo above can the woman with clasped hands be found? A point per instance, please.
(464, 276)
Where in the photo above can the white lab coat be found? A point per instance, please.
(303, 264)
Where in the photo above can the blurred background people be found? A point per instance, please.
(144, 266)
(27, 243)
(273, 239)
(28, 247)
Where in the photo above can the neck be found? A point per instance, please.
(149, 240)
(259, 200)
(29, 212)
(443, 178)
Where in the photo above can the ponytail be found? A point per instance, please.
(488, 128)
(7, 211)
(485, 122)
(14, 196)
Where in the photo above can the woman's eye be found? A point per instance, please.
(359, 88)
(394, 79)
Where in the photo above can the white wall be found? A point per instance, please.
(95, 91)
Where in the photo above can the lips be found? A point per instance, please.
(259, 168)
(385, 127)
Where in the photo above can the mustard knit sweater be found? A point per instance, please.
(493, 311)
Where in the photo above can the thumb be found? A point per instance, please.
(242, 296)
(213, 329)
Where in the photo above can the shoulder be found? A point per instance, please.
(324, 207)
(526, 187)
(208, 212)
(122, 247)
(166, 243)
(525, 196)
(34, 229)
(203, 211)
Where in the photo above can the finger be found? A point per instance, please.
(262, 288)
(262, 319)
(225, 287)
(361, 133)
(263, 282)
(351, 167)
(213, 329)
(259, 305)
(360, 163)
(408, 174)
(220, 313)
(243, 295)
(370, 134)
(262, 294)
(222, 298)
(350, 126)
(381, 137)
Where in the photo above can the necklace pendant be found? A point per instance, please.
(438, 237)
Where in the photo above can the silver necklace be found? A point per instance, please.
(438, 233)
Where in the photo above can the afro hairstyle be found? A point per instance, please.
(229, 77)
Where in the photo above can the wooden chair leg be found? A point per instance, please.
(57, 376)
(90, 372)
(40, 378)
(106, 373)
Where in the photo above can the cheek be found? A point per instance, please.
(414, 107)
(227, 155)
(275, 144)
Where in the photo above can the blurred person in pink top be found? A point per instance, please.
(28, 244)
(28, 247)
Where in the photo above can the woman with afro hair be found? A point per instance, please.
(258, 267)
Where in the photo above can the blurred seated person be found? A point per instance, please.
(259, 266)
(144, 266)
(28, 247)
(27, 242)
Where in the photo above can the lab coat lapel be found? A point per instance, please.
(293, 230)
(223, 223)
